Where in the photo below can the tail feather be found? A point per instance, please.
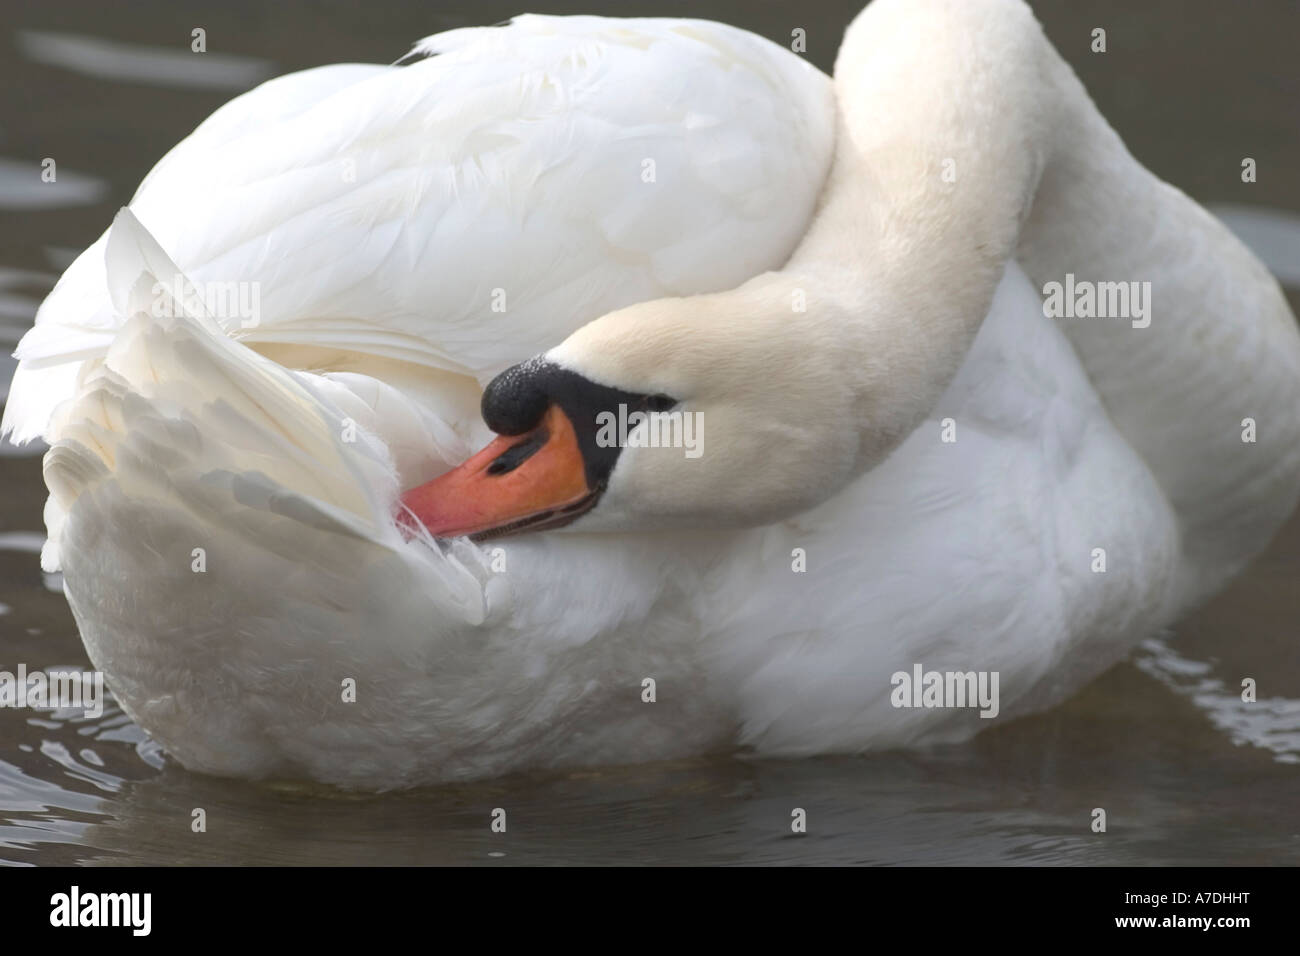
(179, 413)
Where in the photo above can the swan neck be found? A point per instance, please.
(937, 162)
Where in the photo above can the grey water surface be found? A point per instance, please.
(1186, 771)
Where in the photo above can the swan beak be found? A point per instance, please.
(517, 483)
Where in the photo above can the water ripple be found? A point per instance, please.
(132, 63)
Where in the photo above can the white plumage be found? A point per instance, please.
(379, 210)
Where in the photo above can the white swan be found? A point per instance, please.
(222, 498)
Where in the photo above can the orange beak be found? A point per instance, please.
(517, 483)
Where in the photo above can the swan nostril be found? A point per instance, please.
(516, 455)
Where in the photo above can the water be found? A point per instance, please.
(1186, 772)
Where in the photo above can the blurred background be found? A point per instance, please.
(1186, 771)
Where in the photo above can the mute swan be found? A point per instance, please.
(224, 491)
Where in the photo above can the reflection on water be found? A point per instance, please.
(1187, 772)
(69, 188)
(1272, 723)
(1274, 235)
(165, 66)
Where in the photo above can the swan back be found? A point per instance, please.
(473, 208)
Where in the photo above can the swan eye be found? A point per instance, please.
(660, 403)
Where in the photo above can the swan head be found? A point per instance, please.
(678, 413)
